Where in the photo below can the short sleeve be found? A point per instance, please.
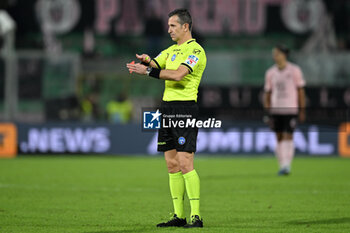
(160, 60)
(192, 59)
(268, 83)
(298, 77)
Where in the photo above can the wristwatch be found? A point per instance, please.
(148, 70)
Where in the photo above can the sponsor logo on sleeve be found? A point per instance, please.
(192, 60)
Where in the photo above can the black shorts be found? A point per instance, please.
(179, 138)
(283, 123)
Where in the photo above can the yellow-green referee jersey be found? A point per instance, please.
(191, 55)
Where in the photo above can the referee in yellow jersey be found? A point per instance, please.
(181, 66)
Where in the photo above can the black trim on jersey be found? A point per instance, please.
(156, 63)
(191, 41)
(189, 67)
(155, 73)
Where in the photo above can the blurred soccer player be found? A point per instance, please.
(182, 66)
(285, 102)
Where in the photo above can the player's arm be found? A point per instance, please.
(267, 99)
(267, 105)
(159, 72)
(301, 97)
(267, 93)
(300, 83)
(146, 60)
(302, 105)
(189, 65)
(153, 64)
(175, 75)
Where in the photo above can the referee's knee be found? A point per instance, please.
(173, 165)
(186, 166)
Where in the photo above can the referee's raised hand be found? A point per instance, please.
(144, 58)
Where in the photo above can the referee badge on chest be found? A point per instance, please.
(173, 57)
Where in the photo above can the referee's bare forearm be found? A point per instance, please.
(153, 64)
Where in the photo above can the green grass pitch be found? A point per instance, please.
(122, 194)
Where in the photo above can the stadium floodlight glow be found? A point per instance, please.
(7, 24)
(7, 31)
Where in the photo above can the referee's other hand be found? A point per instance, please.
(144, 58)
(137, 68)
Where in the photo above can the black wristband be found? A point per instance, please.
(145, 63)
(155, 73)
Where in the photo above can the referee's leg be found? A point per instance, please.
(176, 182)
(172, 161)
(192, 181)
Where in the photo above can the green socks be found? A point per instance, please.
(193, 190)
(177, 190)
(177, 182)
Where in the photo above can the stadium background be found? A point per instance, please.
(71, 115)
(66, 62)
